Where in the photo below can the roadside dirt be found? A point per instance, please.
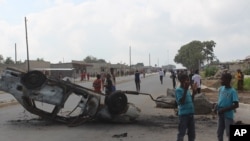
(212, 95)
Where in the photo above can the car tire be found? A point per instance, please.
(117, 102)
(33, 79)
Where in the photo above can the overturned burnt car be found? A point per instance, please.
(63, 101)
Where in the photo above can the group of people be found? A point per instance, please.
(194, 78)
(227, 103)
(105, 82)
(227, 100)
(84, 75)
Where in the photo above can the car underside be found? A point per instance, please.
(64, 101)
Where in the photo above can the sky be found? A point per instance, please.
(122, 31)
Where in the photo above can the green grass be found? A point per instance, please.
(246, 84)
(202, 74)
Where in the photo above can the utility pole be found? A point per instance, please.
(130, 57)
(158, 62)
(15, 54)
(28, 61)
(149, 60)
(168, 57)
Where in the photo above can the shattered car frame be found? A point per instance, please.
(33, 89)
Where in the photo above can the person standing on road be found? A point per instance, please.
(108, 84)
(185, 104)
(144, 74)
(113, 79)
(97, 84)
(82, 74)
(191, 74)
(240, 79)
(103, 77)
(196, 78)
(137, 81)
(173, 76)
(161, 74)
(227, 103)
(179, 73)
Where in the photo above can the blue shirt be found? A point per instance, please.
(226, 98)
(188, 106)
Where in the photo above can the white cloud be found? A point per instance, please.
(73, 29)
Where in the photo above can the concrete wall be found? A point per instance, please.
(97, 68)
(233, 66)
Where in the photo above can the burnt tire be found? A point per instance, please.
(33, 79)
(117, 102)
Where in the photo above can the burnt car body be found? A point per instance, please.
(47, 97)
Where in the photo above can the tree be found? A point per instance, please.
(1, 59)
(208, 50)
(139, 65)
(39, 59)
(19, 62)
(101, 61)
(195, 53)
(91, 59)
(9, 61)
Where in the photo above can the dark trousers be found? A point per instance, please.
(137, 85)
(186, 123)
(161, 79)
(198, 90)
(240, 85)
(174, 83)
(223, 124)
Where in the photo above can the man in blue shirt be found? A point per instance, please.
(185, 100)
(227, 102)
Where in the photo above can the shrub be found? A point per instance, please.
(246, 72)
(246, 84)
(202, 74)
(210, 71)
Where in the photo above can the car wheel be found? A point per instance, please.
(117, 102)
(33, 79)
